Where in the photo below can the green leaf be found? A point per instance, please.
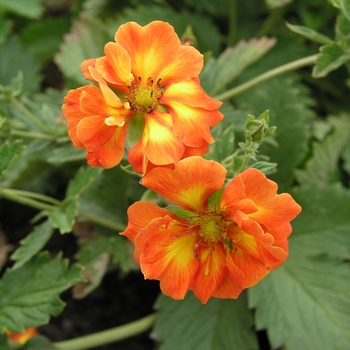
(39, 342)
(305, 303)
(4, 345)
(219, 72)
(330, 58)
(66, 153)
(324, 161)
(345, 6)
(107, 198)
(310, 34)
(30, 294)
(336, 3)
(290, 112)
(189, 325)
(277, 3)
(224, 145)
(8, 153)
(43, 38)
(82, 181)
(218, 7)
(86, 39)
(32, 244)
(346, 158)
(15, 58)
(26, 8)
(64, 217)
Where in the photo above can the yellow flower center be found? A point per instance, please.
(144, 98)
(212, 228)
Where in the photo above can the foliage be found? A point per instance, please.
(293, 126)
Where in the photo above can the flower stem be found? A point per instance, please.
(232, 22)
(302, 62)
(101, 221)
(108, 336)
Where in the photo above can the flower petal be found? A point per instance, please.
(168, 256)
(151, 48)
(190, 184)
(140, 214)
(187, 64)
(111, 153)
(85, 68)
(158, 143)
(93, 132)
(191, 124)
(73, 113)
(115, 67)
(211, 273)
(189, 93)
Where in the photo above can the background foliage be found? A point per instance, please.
(305, 304)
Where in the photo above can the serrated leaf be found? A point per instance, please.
(107, 197)
(224, 144)
(32, 244)
(324, 161)
(15, 58)
(277, 3)
(30, 294)
(217, 73)
(330, 58)
(26, 8)
(189, 325)
(310, 34)
(65, 154)
(8, 153)
(86, 39)
(82, 180)
(63, 218)
(305, 304)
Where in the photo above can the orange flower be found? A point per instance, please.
(221, 240)
(146, 94)
(22, 337)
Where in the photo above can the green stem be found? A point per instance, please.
(29, 114)
(36, 195)
(101, 221)
(108, 336)
(10, 194)
(232, 22)
(33, 135)
(302, 62)
(36, 200)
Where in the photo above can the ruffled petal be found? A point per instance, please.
(211, 273)
(187, 64)
(189, 93)
(151, 48)
(168, 256)
(115, 67)
(252, 193)
(112, 152)
(191, 124)
(190, 184)
(73, 113)
(140, 214)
